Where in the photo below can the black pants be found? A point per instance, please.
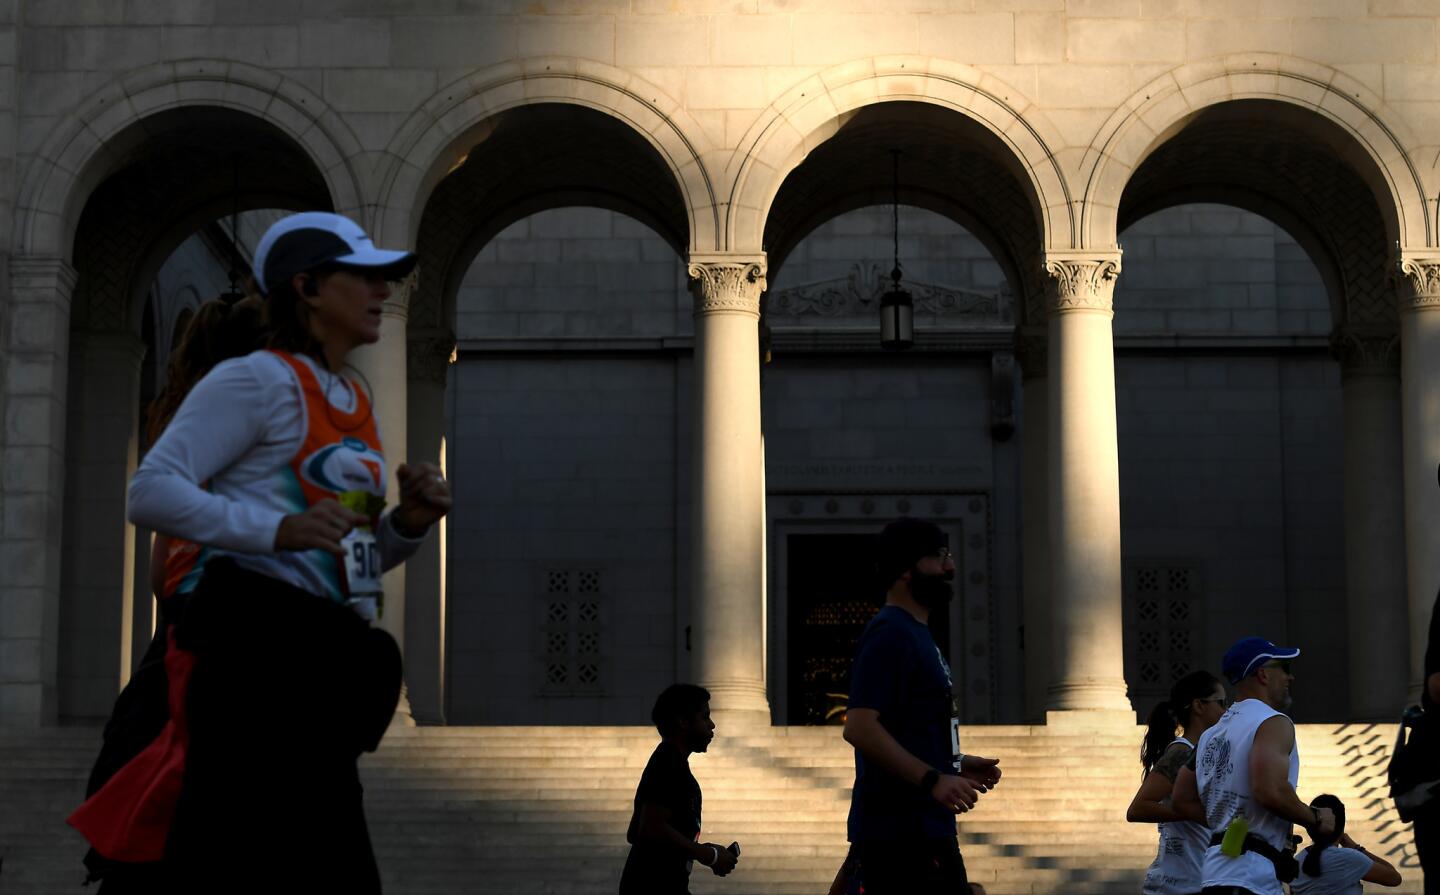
(288, 690)
(1427, 846)
(919, 867)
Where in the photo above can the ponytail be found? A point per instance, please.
(1166, 717)
(1159, 734)
(216, 331)
(1319, 843)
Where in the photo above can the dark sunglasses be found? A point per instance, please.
(1282, 664)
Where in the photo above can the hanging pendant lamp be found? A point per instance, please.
(897, 310)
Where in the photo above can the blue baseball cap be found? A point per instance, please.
(1248, 654)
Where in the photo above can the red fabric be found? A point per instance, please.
(129, 818)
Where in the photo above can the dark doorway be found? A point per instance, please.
(832, 593)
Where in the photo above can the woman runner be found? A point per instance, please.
(1196, 702)
(291, 683)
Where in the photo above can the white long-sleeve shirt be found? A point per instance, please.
(238, 429)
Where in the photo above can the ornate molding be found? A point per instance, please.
(729, 286)
(428, 356)
(1082, 281)
(397, 306)
(858, 295)
(1420, 282)
(1366, 350)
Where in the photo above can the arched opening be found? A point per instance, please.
(1229, 411)
(1238, 400)
(551, 258)
(855, 436)
(147, 249)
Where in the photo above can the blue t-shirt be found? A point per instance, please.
(899, 672)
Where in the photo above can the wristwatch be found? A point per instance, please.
(927, 783)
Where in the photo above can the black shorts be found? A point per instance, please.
(914, 867)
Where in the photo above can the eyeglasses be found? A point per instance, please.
(1282, 664)
(1218, 700)
(943, 554)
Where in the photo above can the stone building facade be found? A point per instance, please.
(1177, 376)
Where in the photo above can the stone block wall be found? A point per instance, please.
(1233, 465)
(562, 464)
(574, 273)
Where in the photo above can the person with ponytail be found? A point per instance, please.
(217, 331)
(291, 682)
(1196, 702)
(1335, 865)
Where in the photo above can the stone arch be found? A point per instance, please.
(1346, 114)
(813, 111)
(437, 137)
(618, 169)
(92, 141)
(122, 210)
(947, 161)
(1304, 167)
(182, 170)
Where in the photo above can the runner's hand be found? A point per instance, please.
(983, 772)
(319, 528)
(424, 496)
(722, 860)
(956, 793)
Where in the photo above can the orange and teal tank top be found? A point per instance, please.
(184, 563)
(339, 458)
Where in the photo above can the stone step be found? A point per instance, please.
(482, 809)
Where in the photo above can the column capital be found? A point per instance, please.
(429, 354)
(397, 306)
(1366, 350)
(726, 283)
(1419, 281)
(1032, 348)
(1081, 280)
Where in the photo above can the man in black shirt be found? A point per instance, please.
(665, 828)
(910, 777)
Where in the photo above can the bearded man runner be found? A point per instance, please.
(910, 777)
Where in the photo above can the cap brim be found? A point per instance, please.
(394, 265)
(1279, 652)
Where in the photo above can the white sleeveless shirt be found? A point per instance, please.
(1222, 770)
(1176, 869)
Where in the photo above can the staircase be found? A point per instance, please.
(543, 810)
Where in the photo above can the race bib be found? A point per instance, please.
(362, 573)
(955, 742)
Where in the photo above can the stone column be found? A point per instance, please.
(429, 356)
(727, 564)
(36, 342)
(97, 580)
(1032, 348)
(1374, 522)
(1420, 415)
(385, 368)
(1087, 648)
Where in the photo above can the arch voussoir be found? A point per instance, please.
(457, 109)
(812, 111)
(86, 144)
(1164, 105)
